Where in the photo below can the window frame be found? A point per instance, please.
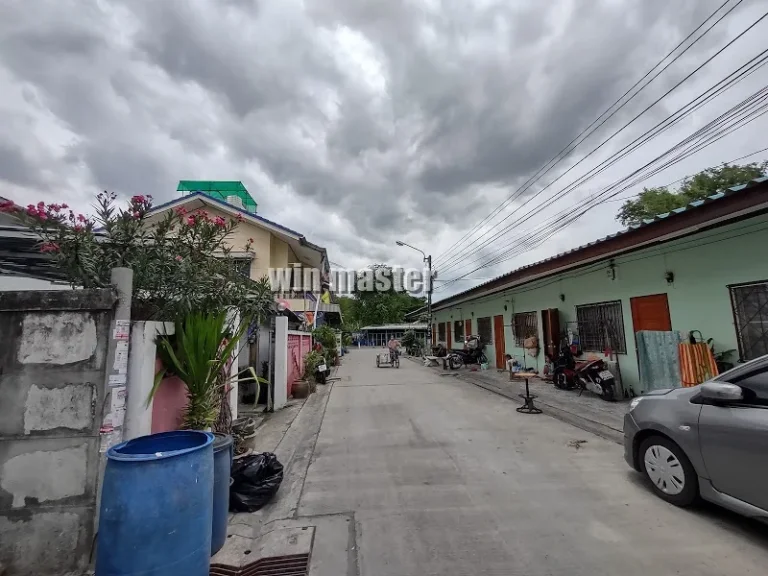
(737, 321)
(458, 331)
(585, 340)
(490, 329)
(528, 327)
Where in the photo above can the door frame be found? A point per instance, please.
(499, 343)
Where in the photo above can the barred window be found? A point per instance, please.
(484, 330)
(750, 310)
(601, 326)
(458, 331)
(525, 327)
(441, 332)
(243, 266)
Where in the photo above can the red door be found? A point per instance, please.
(448, 328)
(550, 320)
(467, 328)
(651, 313)
(498, 340)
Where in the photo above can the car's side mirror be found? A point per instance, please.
(721, 392)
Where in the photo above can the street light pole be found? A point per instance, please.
(428, 261)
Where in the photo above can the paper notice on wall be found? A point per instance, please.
(122, 330)
(117, 400)
(121, 357)
(117, 379)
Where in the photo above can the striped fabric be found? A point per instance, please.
(697, 364)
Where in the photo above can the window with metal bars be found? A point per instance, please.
(525, 327)
(441, 332)
(601, 326)
(750, 311)
(484, 330)
(458, 331)
(243, 266)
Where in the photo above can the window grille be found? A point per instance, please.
(525, 327)
(601, 326)
(750, 311)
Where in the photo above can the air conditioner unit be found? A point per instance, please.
(235, 201)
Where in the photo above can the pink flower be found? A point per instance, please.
(81, 218)
(220, 222)
(7, 206)
(78, 228)
(138, 199)
(179, 258)
(65, 206)
(240, 218)
(191, 221)
(41, 205)
(55, 207)
(49, 247)
(31, 210)
(42, 215)
(181, 211)
(137, 214)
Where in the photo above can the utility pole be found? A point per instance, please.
(429, 305)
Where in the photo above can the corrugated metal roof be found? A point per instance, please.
(690, 206)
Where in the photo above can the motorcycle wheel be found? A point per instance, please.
(454, 363)
(560, 379)
(608, 391)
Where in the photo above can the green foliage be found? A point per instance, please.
(326, 336)
(197, 354)
(653, 201)
(413, 345)
(346, 339)
(181, 261)
(374, 307)
(311, 361)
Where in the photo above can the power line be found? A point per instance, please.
(466, 249)
(552, 229)
(589, 129)
(718, 88)
(758, 108)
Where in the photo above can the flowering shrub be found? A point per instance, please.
(180, 260)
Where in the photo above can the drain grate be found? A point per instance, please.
(295, 565)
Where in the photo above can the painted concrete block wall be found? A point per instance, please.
(52, 373)
(703, 265)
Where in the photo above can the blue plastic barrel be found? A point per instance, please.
(157, 506)
(222, 465)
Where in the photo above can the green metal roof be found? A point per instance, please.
(220, 189)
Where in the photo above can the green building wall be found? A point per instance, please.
(704, 265)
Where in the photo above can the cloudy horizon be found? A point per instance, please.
(359, 123)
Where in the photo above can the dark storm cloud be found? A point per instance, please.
(391, 115)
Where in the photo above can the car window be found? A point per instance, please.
(755, 386)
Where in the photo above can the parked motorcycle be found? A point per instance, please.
(592, 375)
(473, 353)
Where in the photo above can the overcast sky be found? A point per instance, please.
(355, 122)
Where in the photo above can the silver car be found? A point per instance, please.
(709, 441)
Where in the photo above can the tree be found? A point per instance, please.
(378, 305)
(654, 201)
(180, 264)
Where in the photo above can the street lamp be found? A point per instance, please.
(428, 260)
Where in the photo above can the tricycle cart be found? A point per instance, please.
(384, 359)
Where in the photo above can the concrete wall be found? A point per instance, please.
(703, 264)
(52, 379)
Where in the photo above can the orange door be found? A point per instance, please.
(467, 328)
(498, 340)
(651, 313)
(448, 328)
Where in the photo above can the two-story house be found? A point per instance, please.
(273, 246)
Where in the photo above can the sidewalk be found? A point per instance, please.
(587, 411)
(276, 532)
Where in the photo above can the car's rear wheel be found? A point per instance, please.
(667, 467)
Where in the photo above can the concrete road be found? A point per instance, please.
(445, 478)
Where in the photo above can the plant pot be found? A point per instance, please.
(243, 426)
(223, 451)
(248, 452)
(300, 389)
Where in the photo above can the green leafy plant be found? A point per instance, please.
(326, 336)
(412, 343)
(312, 360)
(198, 354)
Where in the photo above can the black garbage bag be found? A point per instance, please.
(255, 480)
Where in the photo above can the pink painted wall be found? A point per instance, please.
(298, 347)
(168, 404)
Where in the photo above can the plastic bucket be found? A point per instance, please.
(157, 506)
(222, 465)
